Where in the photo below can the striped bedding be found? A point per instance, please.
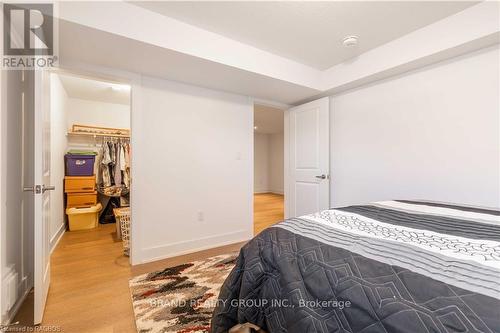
(392, 266)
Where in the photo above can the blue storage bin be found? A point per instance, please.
(79, 165)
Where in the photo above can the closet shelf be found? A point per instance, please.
(70, 133)
(97, 131)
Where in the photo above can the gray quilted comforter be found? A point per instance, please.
(394, 266)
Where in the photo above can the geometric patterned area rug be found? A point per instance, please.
(180, 299)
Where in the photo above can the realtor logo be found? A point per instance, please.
(28, 35)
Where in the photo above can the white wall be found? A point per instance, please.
(93, 113)
(96, 113)
(268, 163)
(58, 142)
(276, 163)
(430, 134)
(191, 168)
(261, 163)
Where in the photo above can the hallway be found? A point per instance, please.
(268, 210)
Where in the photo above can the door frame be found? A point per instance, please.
(41, 232)
(133, 81)
(285, 108)
(286, 160)
(2, 219)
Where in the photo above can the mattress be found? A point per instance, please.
(392, 266)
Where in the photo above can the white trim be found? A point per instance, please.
(135, 250)
(261, 192)
(269, 191)
(57, 237)
(286, 162)
(135, 82)
(155, 253)
(273, 104)
(2, 211)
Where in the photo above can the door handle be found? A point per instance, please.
(48, 188)
(322, 177)
(36, 189)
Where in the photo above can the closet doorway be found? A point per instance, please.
(268, 166)
(90, 169)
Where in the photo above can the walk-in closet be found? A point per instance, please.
(90, 159)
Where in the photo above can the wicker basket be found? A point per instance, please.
(123, 217)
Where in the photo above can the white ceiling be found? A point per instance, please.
(90, 42)
(309, 32)
(268, 120)
(88, 89)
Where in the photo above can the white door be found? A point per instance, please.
(307, 131)
(41, 191)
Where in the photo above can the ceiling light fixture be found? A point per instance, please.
(255, 128)
(350, 41)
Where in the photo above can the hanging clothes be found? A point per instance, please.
(114, 166)
(105, 177)
(112, 155)
(97, 166)
(122, 157)
(117, 171)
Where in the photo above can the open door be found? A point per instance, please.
(307, 159)
(41, 165)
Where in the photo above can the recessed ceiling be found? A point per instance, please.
(268, 120)
(94, 90)
(309, 32)
(80, 44)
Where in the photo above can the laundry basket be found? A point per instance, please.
(123, 217)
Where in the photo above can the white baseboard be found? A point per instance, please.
(270, 191)
(180, 248)
(57, 237)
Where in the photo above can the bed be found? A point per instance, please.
(392, 266)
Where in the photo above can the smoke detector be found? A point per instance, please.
(350, 41)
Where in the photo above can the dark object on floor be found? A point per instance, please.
(107, 215)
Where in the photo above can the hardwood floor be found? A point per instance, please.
(89, 278)
(268, 210)
(89, 282)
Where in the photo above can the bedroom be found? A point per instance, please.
(383, 101)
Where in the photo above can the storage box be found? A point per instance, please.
(83, 218)
(81, 200)
(83, 184)
(79, 165)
